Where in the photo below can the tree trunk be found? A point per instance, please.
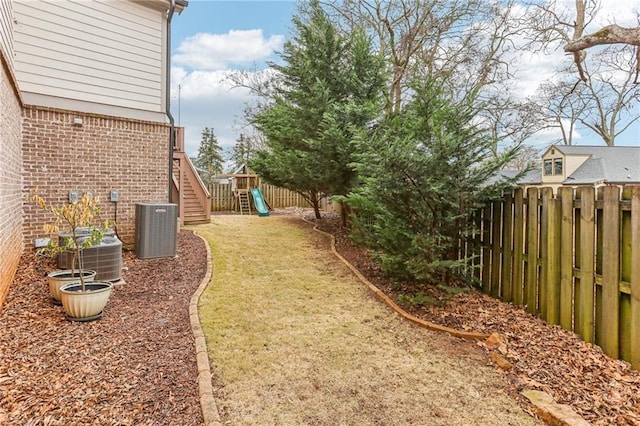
(316, 203)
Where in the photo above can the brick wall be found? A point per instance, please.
(101, 154)
(10, 180)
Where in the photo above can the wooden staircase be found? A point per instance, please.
(189, 192)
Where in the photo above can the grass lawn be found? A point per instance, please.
(294, 338)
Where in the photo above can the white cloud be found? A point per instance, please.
(202, 99)
(206, 51)
(202, 94)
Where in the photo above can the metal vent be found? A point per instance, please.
(105, 257)
(156, 230)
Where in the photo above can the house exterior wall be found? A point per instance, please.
(572, 163)
(6, 30)
(10, 175)
(103, 154)
(100, 56)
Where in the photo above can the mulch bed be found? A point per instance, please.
(134, 366)
(604, 391)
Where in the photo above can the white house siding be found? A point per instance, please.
(6, 30)
(10, 177)
(100, 56)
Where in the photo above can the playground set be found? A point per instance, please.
(245, 188)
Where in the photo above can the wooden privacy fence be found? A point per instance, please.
(221, 197)
(573, 258)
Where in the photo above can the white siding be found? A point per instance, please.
(6, 30)
(107, 52)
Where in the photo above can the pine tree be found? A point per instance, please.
(423, 169)
(329, 86)
(242, 151)
(209, 160)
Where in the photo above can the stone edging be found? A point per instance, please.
(205, 389)
(422, 323)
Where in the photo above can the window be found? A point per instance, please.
(552, 167)
(557, 166)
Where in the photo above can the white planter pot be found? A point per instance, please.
(85, 305)
(57, 279)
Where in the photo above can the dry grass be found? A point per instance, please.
(295, 339)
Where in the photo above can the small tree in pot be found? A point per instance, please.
(81, 220)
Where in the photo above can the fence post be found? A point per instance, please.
(635, 278)
(586, 304)
(546, 194)
(518, 246)
(496, 226)
(531, 282)
(486, 249)
(507, 250)
(611, 272)
(550, 285)
(566, 257)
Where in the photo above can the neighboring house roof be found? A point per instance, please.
(532, 177)
(606, 164)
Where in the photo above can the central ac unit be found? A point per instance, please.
(156, 230)
(104, 257)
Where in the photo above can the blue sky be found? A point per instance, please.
(209, 39)
(212, 38)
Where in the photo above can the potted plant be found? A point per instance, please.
(82, 298)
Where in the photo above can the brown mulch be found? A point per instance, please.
(134, 366)
(604, 391)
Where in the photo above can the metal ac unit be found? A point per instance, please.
(156, 230)
(104, 257)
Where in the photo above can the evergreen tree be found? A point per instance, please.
(329, 86)
(209, 160)
(423, 169)
(242, 151)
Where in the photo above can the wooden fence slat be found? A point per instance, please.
(496, 227)
(609, 339)
(546, 195)
(477, 246)
(531, 282)
(507, 249)
(577, 259)
(518, 247)
(566, 258)
(626, 250)
(551, 292)
(486, 249)
(635, 279)
(586, 327)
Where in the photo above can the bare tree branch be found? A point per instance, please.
(611, 34)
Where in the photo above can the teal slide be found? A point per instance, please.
(259, 203)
